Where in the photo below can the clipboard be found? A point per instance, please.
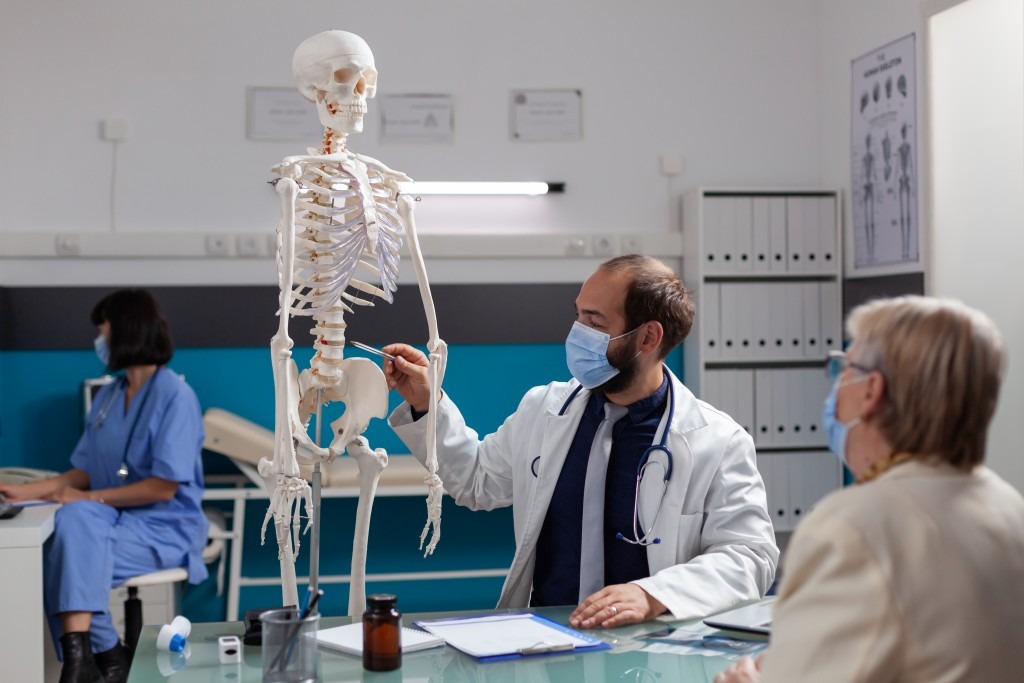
(499, 637)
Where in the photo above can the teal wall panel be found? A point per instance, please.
(41, 419)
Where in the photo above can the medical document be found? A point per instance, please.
(510, 635)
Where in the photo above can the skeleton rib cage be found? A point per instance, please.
(348, 236)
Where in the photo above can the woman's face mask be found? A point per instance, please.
(838, 432)
(102, 350)
(586, 354)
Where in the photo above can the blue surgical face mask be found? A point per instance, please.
(586, 354)
(102, 350)
(838, 431)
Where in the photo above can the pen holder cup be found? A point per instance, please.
(289, 647)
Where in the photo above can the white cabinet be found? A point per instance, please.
(765, 269)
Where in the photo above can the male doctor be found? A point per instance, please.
(692, 537)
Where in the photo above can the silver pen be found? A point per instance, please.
(370, 349)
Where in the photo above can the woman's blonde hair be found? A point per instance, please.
(943, 363)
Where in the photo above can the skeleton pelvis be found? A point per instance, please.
(363, 392)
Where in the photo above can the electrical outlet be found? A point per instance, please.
(632, 244)
(602, 245)
(575, 246)
(217, 245)
(248, 245)
(68, 245)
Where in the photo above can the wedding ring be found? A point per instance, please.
(614, 610)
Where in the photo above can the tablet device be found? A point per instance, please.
(755, 618)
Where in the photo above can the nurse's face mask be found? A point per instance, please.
(586, 354)
(102, 350)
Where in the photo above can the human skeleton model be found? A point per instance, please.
(904, 192)
(342, 221)
(868, 163)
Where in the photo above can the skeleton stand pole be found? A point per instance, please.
(314, 553)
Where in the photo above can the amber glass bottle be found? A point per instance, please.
(382, 633)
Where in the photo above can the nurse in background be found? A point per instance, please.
(132, 498)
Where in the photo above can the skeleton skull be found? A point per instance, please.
(335, 70)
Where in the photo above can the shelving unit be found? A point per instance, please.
(765, 267)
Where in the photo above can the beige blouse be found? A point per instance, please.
(915, 576)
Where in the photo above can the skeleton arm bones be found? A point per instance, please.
(438, 360)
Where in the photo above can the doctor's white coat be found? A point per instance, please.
(717, 543)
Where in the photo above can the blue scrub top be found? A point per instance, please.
(164, 423)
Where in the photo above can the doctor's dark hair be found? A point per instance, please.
(655, 293)
(139, 333)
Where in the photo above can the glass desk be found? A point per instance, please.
(630, 660)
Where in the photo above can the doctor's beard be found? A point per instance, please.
(624, 360)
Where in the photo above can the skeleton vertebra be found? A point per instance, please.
(342, 222)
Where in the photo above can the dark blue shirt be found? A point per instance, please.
(556, 574)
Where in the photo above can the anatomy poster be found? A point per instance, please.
(883, 158)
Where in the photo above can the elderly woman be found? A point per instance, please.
(132, 500)
(916, 573)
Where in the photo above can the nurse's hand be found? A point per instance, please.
(746, 670)
(408, 374)
(618, 605)
(13, 491)
(34, 490)
(69, 494)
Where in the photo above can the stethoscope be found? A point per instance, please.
(101, 417)
(658, 455)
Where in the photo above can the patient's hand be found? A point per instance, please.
(746, 670)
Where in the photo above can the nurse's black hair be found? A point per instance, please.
(139, 333)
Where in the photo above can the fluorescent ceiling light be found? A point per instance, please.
(516, 188)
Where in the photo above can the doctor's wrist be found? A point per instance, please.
(96, 497)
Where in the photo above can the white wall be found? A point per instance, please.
(977, 125)
(731, 86)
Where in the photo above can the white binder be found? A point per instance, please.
(831, 317)
(763, 395)
(711, 390)
(794, 321)
(744, 393)
(780, 321)
(761, 299)
(744, 231)
(774, 468)
(811, 292)
(777, 235)
(827, 223)
(744, 321)
(812, 475)
(780, 408)
(711, 234)
(726, 234)
(712, 324)
(730, 321)
(795, 235)
(761, 230)
(812, 236)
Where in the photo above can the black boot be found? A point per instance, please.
(79, 665)
(113, 664)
